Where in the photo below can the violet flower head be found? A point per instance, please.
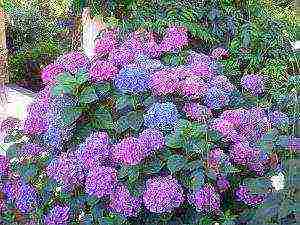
(206, 200)
(28, 198)
(102, 70)
(216, 98)
(195, 111)
(163, 116)
(214, 158)
(51, 72)
(151, 140)
(193, 86)
(31, 149)
(122, 202)
(164, 82)
(175, 38)
(128, 152)
(73, 62)
(4, 165)
(100, 181)
(107, 43)
(44, 95)
(253, 83)
(242, 153)
(196, 58)
(162, 194)
(224, 127)
(95, 150)
(234, 116)
(132, 79)
(279, 119)
(66, 170)
(36, 122)
(222, 83)
(223, 184)
(58, 215)
(121, 56)
(243, 194)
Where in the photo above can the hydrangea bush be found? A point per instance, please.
(132, 138)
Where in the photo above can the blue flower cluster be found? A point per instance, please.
(132, 79)
(163, 116)
(216, 98)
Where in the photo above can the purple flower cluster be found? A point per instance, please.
(222, 83)
(66, 170)
(216, 98)
(107, 43)
(31, 150)
(175, 38)
(132, 79)
(243, 194)
(58, 215)
(51, 72)
(72, 62)
(253, 83)
(4, 165)
(223, 184)
(100, 181)
(241, 153)
(195, 111)
(121, 56)
(9, 124)
(122, 202)
(162, 194)
(128, 151)
(151, 140)
(206, 199)
(95, 150)
(102, 70)
(161, 115)
(193, 87)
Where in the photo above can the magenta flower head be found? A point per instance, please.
(162, 194)
(197, 112)
(151, 140)
(36, 120)
(122, 202)
(234, 116)
(214, 158)
(95, 150)
(102, 70)
(31, 150)
(121, 56)
(243, 194)
(44, 95)
(57, 215)
(253, 83)
(107, 43)
(242, 153)
(164, 82)
(50, 72)
(175, 38)
(193, 87)
(223, 184)
(220, 53)
(66, 170)
(4, 165)
(206, 199)
(72, 62)
(100, 181)
(224, 127)
(222, 83)
(128, 152)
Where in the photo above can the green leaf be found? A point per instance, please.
(66, 78)
(172, 141)
(102, 88)
(104, 118)
(61, 89)
(133, 173)
(122, 124)
(70, 115)
(149, 101)
(123, 101)
(176, 163)
(88, 95)
(12, 151)
(81, 77)
(135, 120)
(196, 179)
(153, 167)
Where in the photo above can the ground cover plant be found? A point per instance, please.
(151, 132)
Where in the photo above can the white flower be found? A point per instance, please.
(278, 181)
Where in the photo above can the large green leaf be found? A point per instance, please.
(176, 163)
(104, 118)
(258, 185)
(81, 77)
(153, 167)
(172, 141)
(135, 120)
(70, 115)
(88, 95)
(123, 101)
(197, 179)
(122, 124)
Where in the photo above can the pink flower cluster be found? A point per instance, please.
(102, 70)
(107, 43)
(50, 72)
